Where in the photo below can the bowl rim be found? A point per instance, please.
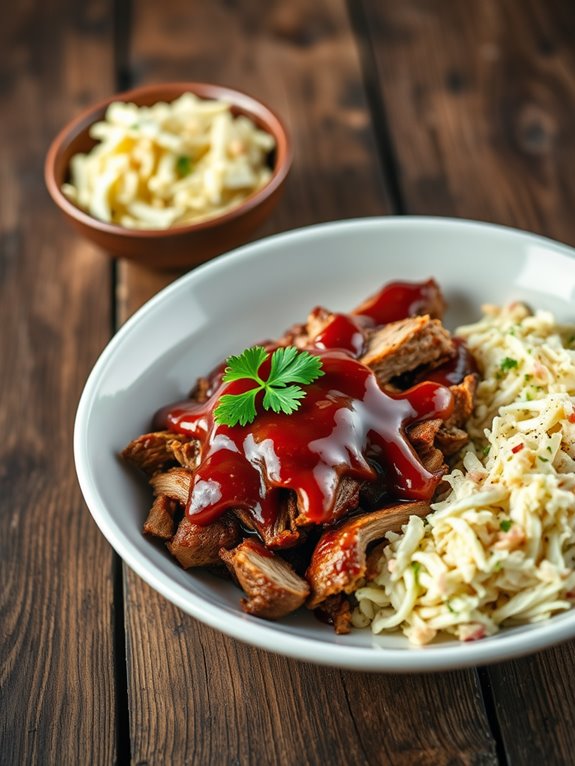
(273, 636)
(237, 98)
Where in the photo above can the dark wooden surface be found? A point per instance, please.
(479, 101)
(58, 699)
(405, 106)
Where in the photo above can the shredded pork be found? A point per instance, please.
(331, 562)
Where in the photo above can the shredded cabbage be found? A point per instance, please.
(499, 549)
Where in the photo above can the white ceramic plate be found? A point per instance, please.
(257, 292)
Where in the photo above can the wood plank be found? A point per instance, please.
(195, 695)
(57, 693)
(480, 99)
(534, 703)
(295, 57)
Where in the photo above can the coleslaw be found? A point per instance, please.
(499, 546)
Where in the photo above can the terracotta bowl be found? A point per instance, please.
(181, 246)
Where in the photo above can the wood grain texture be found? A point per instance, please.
(479, 103)
(297, 57)
(479, 99)
(197, 696)
(57, 696)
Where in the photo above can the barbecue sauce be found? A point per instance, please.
(454, 370)
(398, 300)
(345, 425)
(342, 331)
(344, 418)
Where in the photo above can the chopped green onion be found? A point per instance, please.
(183, 166)
(508, 364)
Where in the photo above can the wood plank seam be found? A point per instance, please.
(388, 159)
(492, 717)
(122, 17)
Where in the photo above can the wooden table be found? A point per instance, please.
(446, 107)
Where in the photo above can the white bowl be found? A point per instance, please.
(257, 292)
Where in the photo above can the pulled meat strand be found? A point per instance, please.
(339, 561)
(288, 528)
(201, 391)
(451, 440)
(463, 401)
(446, 436)
(272, 587)
(283, 531)
(451, 437)
(160, 522)
(423, 435)
(157, 450)
(196, 546)
(400, 347)
(174, 483)
(346, 499)
(336, 611)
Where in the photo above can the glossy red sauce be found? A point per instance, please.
(398, 300)
(344, 419)
(348, 561)
(453, 371)
(342, 331)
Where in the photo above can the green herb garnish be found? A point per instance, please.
(486, 450)
(508, 364)
(543, 459)
(183, 166)
(288, 365)
(416, 566)
(505, 525)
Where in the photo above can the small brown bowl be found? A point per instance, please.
(180, 246)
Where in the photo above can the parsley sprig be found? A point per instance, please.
(288, 365)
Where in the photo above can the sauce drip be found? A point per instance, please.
(342, 331)
(453, 371)
(344, 419)
(398, 300)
